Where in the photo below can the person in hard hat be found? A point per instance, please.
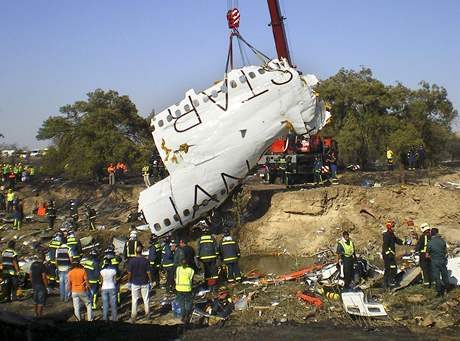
(230, 253)
(208, 251)
(91, 266)
(155, 259)
(51, 214)
(437, 249)
(18, 213)
(424, 256)
(75, 245)
(346, 254)
(389, 254)
(91, 216)
(167, 263)
(131, 246)
(10, 271)
(63, 263)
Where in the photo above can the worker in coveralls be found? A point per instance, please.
(230, 253)
(91, 266)
(424, 256)
(167, 263)
(390, 163)
(389, 254)
(438, 252)
(155, 259)
(346, 254)
(10, 271)
(207, 254)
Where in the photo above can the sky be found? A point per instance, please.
(53, 52)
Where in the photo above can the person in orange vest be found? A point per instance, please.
(111, 171)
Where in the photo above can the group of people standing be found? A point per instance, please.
(116, 172)
(431, 248)
(415, 158)
(13, 206)
(86, 277)
(15, 173)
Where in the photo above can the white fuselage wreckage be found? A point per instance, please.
(211, 140)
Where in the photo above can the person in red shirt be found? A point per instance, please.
(78, 284)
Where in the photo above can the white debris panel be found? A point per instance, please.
(210, 140)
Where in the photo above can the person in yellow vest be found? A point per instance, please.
(10, 196)
(146, 175)
(184, 283)
(346, 255)
(424, 256)
(390, 159)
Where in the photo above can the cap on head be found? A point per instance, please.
(425, 227)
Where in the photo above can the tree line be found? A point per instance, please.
(368, 117)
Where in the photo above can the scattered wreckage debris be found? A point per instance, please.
(356, 303)
(304, 296)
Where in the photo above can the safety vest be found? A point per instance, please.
(389, 154)
(72, 243)
(145, 170)
(63, 256)
(8, 256)
(52, 247)
(131, 246)
(184, 278)
(425, 244)
(348, 249)
(51, 212)
(154, 254)
(92, 271)
(10, 196)
(229, 250)
(207, 248)
(31, 171)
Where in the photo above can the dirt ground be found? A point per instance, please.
(303, 222)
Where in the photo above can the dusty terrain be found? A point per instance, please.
(306, 221)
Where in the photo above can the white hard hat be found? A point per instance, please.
(425, 227)
(133, 234)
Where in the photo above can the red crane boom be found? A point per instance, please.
(279, 33)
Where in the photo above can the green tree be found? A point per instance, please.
(90, 134)
(369, 116)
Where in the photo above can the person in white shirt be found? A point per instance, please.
(108, 291)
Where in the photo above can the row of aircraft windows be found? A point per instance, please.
(214, 94)
(187, 212)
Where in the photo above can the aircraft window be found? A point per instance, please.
(205, 202)
(178, 113)
(242, 79)
(167, 222)
(187, 107)
(205, 99)
(176, 217)
(233, 84)
(252, 75)
(157, 227)
(261, 71)
(160, 123)
(186, 212)
(214, 93)
(223, 191)
(196, 103)
(169, 118)
(223, 88)
(232, 186)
